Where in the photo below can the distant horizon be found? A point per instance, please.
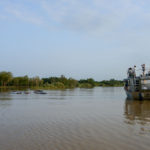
(57, 76)
(100, 39)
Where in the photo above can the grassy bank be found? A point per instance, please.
(8, 81)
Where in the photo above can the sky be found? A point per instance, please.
(97, 39)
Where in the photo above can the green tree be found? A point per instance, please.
(5, 78)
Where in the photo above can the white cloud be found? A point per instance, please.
(25, 16)
(97, 16)
(16, 10)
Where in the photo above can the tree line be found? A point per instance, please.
(7, 79)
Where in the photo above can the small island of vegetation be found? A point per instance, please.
(8, 80)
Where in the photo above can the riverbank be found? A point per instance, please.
(51, 87)
(7, 80)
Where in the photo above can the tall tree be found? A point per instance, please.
(5, 78)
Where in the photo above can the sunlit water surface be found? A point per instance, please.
(79, 119)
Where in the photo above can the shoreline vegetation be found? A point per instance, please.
(7, 80)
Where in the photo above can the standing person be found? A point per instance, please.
(134, 71)
(143, 69)
(134, 74)
(130, 72)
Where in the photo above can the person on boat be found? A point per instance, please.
(130, 72)
(143, 69)
(134, 71)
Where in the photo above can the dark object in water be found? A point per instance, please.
(16, 92)
(26, 92)
(19, 92)
(39, 92)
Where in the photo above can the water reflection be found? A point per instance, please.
(2, 90)
(5, 96)
(137, 111)
(9, 89)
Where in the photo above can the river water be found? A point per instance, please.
(78, 119)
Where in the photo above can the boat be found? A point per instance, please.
(18, 92)
(26, 92)
(137, 87)
(39, 92)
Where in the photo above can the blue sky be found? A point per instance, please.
(76, 38)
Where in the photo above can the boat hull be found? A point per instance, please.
(144, 95)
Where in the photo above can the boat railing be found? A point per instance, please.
(138, 85)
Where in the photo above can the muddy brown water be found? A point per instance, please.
(79, 119)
